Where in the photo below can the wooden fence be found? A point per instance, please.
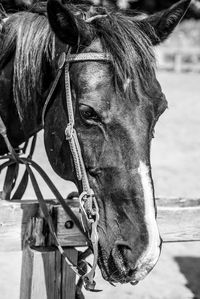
(44, 274)
(178, 59)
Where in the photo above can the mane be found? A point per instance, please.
(28, 35)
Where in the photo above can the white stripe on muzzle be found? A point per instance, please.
(149, 258)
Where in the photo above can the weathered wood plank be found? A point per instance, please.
(40, 276)
(179, 219)
(68, 275)
(22, 223)
(178, 202)
(46, 275)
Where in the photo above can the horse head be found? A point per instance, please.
(116, 106)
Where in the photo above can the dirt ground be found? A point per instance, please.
(176, 172)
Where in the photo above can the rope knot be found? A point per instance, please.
(69, 131)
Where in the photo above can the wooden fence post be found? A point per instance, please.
(46, 276)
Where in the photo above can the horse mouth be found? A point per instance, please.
(116, 270)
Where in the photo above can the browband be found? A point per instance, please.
(69, 58)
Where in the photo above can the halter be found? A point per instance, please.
(88, 205)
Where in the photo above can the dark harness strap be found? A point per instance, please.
(13, 164)
(24, 181)
(10, 180)
(12, 174)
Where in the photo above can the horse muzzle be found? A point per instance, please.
(122, 266)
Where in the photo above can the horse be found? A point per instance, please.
(116, 103)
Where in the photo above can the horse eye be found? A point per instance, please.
(88, 113)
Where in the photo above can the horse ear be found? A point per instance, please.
(165, 21)
(69, 29)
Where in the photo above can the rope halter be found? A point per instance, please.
(88, 205)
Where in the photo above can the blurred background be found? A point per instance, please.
(175, 160)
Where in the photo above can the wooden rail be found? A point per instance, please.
(44, 274)
(179, 219)
(22, 223)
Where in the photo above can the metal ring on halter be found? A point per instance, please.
(83, 199)
(85, 220)
(88, 278)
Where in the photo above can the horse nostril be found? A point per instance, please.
(123, 248)
(94, 171)
(122, 244)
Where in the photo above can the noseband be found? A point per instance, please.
(88, 205)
